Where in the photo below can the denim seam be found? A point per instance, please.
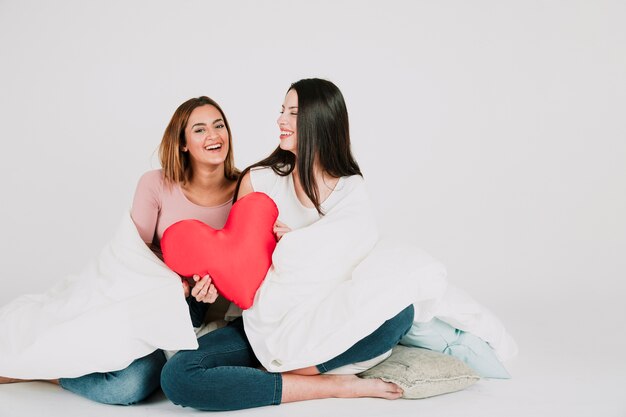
(207, 357)
(276, 400)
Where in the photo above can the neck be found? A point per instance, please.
(207, 177)
(324, 180)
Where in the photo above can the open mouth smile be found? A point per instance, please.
(285, 134)
(215, 147)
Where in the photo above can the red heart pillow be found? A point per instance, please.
(237, 257)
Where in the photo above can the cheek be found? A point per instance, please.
(192, 138)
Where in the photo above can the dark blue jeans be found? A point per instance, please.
(133, 383)
(124, 387)
(222, 373)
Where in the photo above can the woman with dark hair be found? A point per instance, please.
(326, 228)
(197, 181)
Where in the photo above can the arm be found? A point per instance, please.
(147, 204)
(145, 213)
(245, 187)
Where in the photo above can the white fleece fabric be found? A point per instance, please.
(124, 305)
(332, 283)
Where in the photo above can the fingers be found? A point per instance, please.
(210, 296)
(204, 291)
(280, 229)
(200, 284)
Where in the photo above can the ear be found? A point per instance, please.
(183, 149)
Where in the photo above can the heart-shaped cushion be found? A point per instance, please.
(236, 257)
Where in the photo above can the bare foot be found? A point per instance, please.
(351, 386)
(302, 387)
(4, 380)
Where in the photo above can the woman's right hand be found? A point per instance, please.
(203, 290)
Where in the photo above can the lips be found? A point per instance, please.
(214, 147)
(285, 134)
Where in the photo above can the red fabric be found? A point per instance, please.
(236, 257)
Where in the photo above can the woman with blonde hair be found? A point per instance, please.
(197, 181)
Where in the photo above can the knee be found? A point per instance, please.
(399, 325)
(173, 380)
(407, 316)
(125, 387)
(167, 379)
(140, 379)
(187, 382)
(112, 388)
(129, 390)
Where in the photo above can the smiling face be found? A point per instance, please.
(206, 136)
(287, 122)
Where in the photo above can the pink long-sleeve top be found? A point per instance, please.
(157, 205)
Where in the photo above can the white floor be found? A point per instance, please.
(566, 367)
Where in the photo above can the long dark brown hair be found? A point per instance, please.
(323, 134)
(176, 163)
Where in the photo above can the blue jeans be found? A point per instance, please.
(127, 386)
(134, 383)
(222, 373)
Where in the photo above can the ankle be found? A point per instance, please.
(343, 385)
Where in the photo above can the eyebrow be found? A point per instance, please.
(292, 107)
(204, 124)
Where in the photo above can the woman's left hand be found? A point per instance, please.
(203, 290)
(280, 229)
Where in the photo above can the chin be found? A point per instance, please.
(216, 161)
(287, 147)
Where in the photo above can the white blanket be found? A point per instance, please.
(461, 311)
(295, 320)
(331, 285)
(123, 306)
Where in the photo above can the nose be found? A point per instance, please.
(281, 120)
(211, 133)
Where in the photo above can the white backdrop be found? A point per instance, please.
(491, 133)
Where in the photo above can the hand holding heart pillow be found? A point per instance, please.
(237, 257)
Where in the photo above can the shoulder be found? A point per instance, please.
(155, 175)
(351, 183)
(151, 184)
(151, 179)
(354, 179)
(147, 203)
(348, 190)
(262, 178)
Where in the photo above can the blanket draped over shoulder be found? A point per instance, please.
(123, 306)
(332, 283)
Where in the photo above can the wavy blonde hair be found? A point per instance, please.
(175, 163)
